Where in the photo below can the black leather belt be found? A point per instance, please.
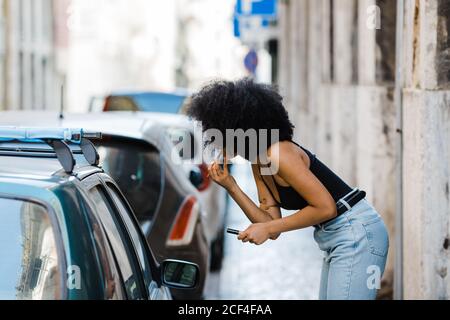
(349, 201)
(346, 203)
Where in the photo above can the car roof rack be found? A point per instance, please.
(58, 139)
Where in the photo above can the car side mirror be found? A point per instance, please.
(196, 177)
(179, 274)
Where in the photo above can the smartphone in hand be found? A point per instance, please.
(233, 231)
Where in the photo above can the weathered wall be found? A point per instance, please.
(375, 167)
(426, 195)
(339, 92)
(344, 109)
(426, 130)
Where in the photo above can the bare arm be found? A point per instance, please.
(297, 174)
(268, 209)
(294, 171)
(266, 200)
(254, 213)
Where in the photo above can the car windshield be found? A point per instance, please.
(29, 268)
(136, 168)
(156, 102)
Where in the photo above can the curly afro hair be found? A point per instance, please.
(242, 104)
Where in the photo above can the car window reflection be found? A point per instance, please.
(30, 265)
(137, 171)
(116, 239)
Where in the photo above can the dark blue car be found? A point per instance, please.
(66, 230)
(146, 101)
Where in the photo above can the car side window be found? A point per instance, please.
(30, 267)
(111, 278)
(138, 241)
(136, 167)
(117, 240)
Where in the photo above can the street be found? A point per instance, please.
(288, 268)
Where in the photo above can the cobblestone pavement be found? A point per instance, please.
(288, 268)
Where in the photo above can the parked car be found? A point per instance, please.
(137, 154)
(148, 101)
(166, 109)
(66, 230)
(182, 132)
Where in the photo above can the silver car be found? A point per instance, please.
(183, 133)
(137, 153)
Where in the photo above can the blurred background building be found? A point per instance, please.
(93, 47)
(29, 74)
(149, 45)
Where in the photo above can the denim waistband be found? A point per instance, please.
(361, 204)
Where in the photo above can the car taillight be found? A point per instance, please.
(205, 175)
(183, 229)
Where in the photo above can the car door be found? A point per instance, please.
(146, 259)
(118, 238)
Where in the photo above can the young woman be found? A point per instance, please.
(347, 228)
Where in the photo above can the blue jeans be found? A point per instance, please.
(355, 246)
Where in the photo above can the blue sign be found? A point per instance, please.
(238, 24)
(256, 7)
(265, 11)
(236, 27)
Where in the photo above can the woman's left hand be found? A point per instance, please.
(221, 176)
(257, 233)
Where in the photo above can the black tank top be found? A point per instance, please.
(292, 200)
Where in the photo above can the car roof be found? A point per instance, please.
(47, 173)
(125, 124)
(177, 92)
(40, 171)
(163, 119)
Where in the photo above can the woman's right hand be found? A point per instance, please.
(221, 176)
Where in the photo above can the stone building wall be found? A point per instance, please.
(426, 118)
(341, 77)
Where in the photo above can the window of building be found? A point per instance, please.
(354, 42)
(330, 29)
(385, 39)
(34, 44)
(443, 44)
(331, 39)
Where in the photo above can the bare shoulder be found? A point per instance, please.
(286, 152)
